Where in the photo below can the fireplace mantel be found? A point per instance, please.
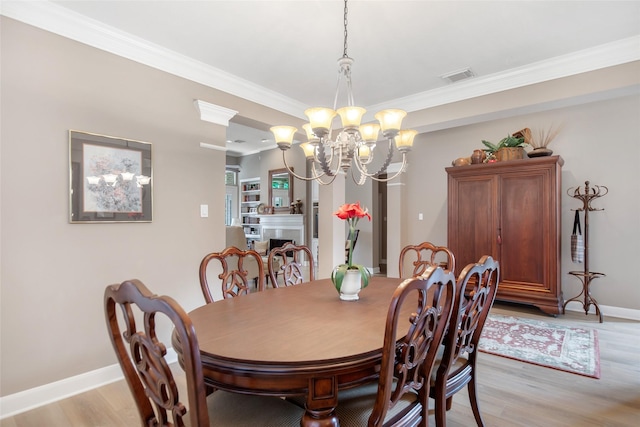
(282, 226)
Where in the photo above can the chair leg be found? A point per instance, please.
(441, 411)
(449, 402)
(473, 400)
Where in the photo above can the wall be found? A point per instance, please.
(598, 142)
(53, 273)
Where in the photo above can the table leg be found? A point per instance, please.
(321, 403)
(320, 418)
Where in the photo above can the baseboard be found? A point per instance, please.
(29, 399)
(16, 403)
(622, 313)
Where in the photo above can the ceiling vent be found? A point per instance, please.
(456, 76)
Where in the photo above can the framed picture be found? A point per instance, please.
(110, 179)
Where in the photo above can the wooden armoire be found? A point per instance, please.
(511, 211)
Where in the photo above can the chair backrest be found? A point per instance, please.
(407, 363)
(235, 274)
(292, 261)
(422, 256)
(480, 282)
(143, 363)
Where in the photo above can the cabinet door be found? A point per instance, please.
(472, 226)
(523, 229)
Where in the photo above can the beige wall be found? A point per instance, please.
(53, 273)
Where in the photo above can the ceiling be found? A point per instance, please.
(286, 51)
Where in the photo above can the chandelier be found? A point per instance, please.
(354, 143)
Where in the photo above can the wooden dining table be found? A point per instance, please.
(295, 341)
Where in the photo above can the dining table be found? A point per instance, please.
(299, 341)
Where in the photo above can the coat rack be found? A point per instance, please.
(586, 276)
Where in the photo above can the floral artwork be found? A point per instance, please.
(117, 190)
(110, 179)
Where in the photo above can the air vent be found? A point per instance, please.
(456, 76)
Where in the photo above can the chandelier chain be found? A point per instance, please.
(346, 10)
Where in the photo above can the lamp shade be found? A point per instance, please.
(369, 132)
(351, 116)
(390, 121)
(404, 139)
(309, 149)
(364, 151)
(311, 137)
(283, 135)
(320, 119)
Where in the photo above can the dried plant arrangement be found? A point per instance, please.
(543, 137)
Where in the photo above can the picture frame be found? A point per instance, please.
(110, 179)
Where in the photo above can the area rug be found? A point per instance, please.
(555, 346)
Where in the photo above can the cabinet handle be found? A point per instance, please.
(499, 237)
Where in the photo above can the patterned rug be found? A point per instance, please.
(559, 347)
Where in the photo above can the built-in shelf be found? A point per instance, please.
(249, 205)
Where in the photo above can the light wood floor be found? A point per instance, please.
(512, 393)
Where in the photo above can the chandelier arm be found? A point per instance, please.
(384, 166)
(362, 178)
(303, 178)
(321, 182)
(322, 159)
(402, 167)
(387, 161)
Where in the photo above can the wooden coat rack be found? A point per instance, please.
(587, 275)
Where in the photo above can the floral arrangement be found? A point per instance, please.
(351, 212)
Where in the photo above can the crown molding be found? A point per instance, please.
(64, 22)
(212, 146)
(602, 56)
(213, 113)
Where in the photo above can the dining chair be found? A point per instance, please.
(142, 357)
(422, 256)
(476, 291)
(234, 276)
(401, 395)
(291, 260)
